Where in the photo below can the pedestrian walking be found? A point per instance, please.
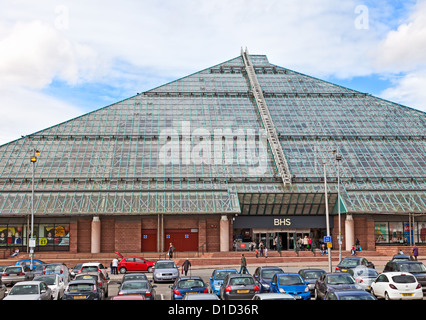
(415, 252)
(243, 268)
(171, 250)
(261, 248)
(186, 265)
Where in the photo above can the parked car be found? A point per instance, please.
(94, 267)
(55, 283)
(364, 276)
(217, 277)
(98, 277)
(82, 290)
(336, 281)
(16, 273)
(187, 285)
(165, 270)
(238, 287)
(311, 276)
(263, 275)
(133, 263)
(3, 290)
(142, 287)
(401, 257)
(291, 283)
(273, 296)
(129, 297)
(30, 290)
(27, 262)
(201, 296)
(397, 286)
(349, 295)
(75, 270)
(351, 262)
(133, 276)
(416, 268)
(58, 268)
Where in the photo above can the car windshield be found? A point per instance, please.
(340, 279)
(13, 270)
(268, 274)
(165, 265)
(80, 287)
(24, 289)
(241, 281)
(134, 285)
(49, 280)
(220, 275)
(54, 268)
(404, 279)
(413, 267)
(349, 262)
(290, 280)
(190, 283)
(86, 277)
(78, 266)
(357, 297)
(313, 274)
(89, 268)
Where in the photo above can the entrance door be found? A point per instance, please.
(149, 240)
(182, 239)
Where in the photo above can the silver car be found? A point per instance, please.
(165, 270)
(15, 274)
(364, 276)
(30, 290)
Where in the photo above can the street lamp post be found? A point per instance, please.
(33, 160)
(338, 158)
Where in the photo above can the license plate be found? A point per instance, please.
(80, 297)
(407, 294)
(191, 292)
(344, 270)
(242, 291)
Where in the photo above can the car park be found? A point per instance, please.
(263, 276)
(82, 290)
(58, 268)
(416, 268)
(217, 277)
(335, 281)
(134, 263)
(273, 296)
(291, 283)
(311, 275)
(238, 287)
(187, 285)
(55, 283)
(165, 270)
(351, 262)
(30, 290)
(364, 276)
(98, 277)
(397, 286)
(142, 287)
(349, 295)
(16, 273)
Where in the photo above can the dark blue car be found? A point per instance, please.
(217, 278)
(291, 283)
(187, 285)
(349, 295)
(263, 276)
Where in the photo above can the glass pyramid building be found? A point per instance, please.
(210, 143)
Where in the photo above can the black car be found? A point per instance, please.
(353, 262)
(142, 287)
(334, 281)
(311, 276)
(263, 276)
(238, 287)
(416, 268)
(83, 290)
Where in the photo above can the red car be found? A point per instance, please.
(134, 264)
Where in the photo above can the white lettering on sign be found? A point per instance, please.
(282, 222)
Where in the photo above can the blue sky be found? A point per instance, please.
(59, 60)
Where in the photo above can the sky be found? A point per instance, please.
(62, 59)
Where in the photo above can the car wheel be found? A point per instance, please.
(387, 296)
(149, 269)
(123, 270)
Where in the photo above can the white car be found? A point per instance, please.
(55, 283)
(397, 286)
(94, 267)
(30, 290)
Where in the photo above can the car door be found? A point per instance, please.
(60, 286)
(140, 264)
(321, 285)
(379, 285)
(274, 284)
(44, 291)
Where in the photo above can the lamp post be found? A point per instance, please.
(327, 218)
(338, 158)
(33, 160)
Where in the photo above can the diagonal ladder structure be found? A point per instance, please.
(274, 142)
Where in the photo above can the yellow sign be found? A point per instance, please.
(329, 245)
(42, 241)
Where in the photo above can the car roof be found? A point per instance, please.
(270, 267)
(190, 278)
(398, 273)
(239, 275)
(55, 264)
(288, 274)
(225, 269)
(25, 283)
(350, 292)
(83, 281)
(92, 273)
(166, 260)
(90, 264)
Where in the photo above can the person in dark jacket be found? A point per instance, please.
(186, 265)
(243, 268)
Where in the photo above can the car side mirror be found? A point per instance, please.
(211, 278)
(273, 283)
